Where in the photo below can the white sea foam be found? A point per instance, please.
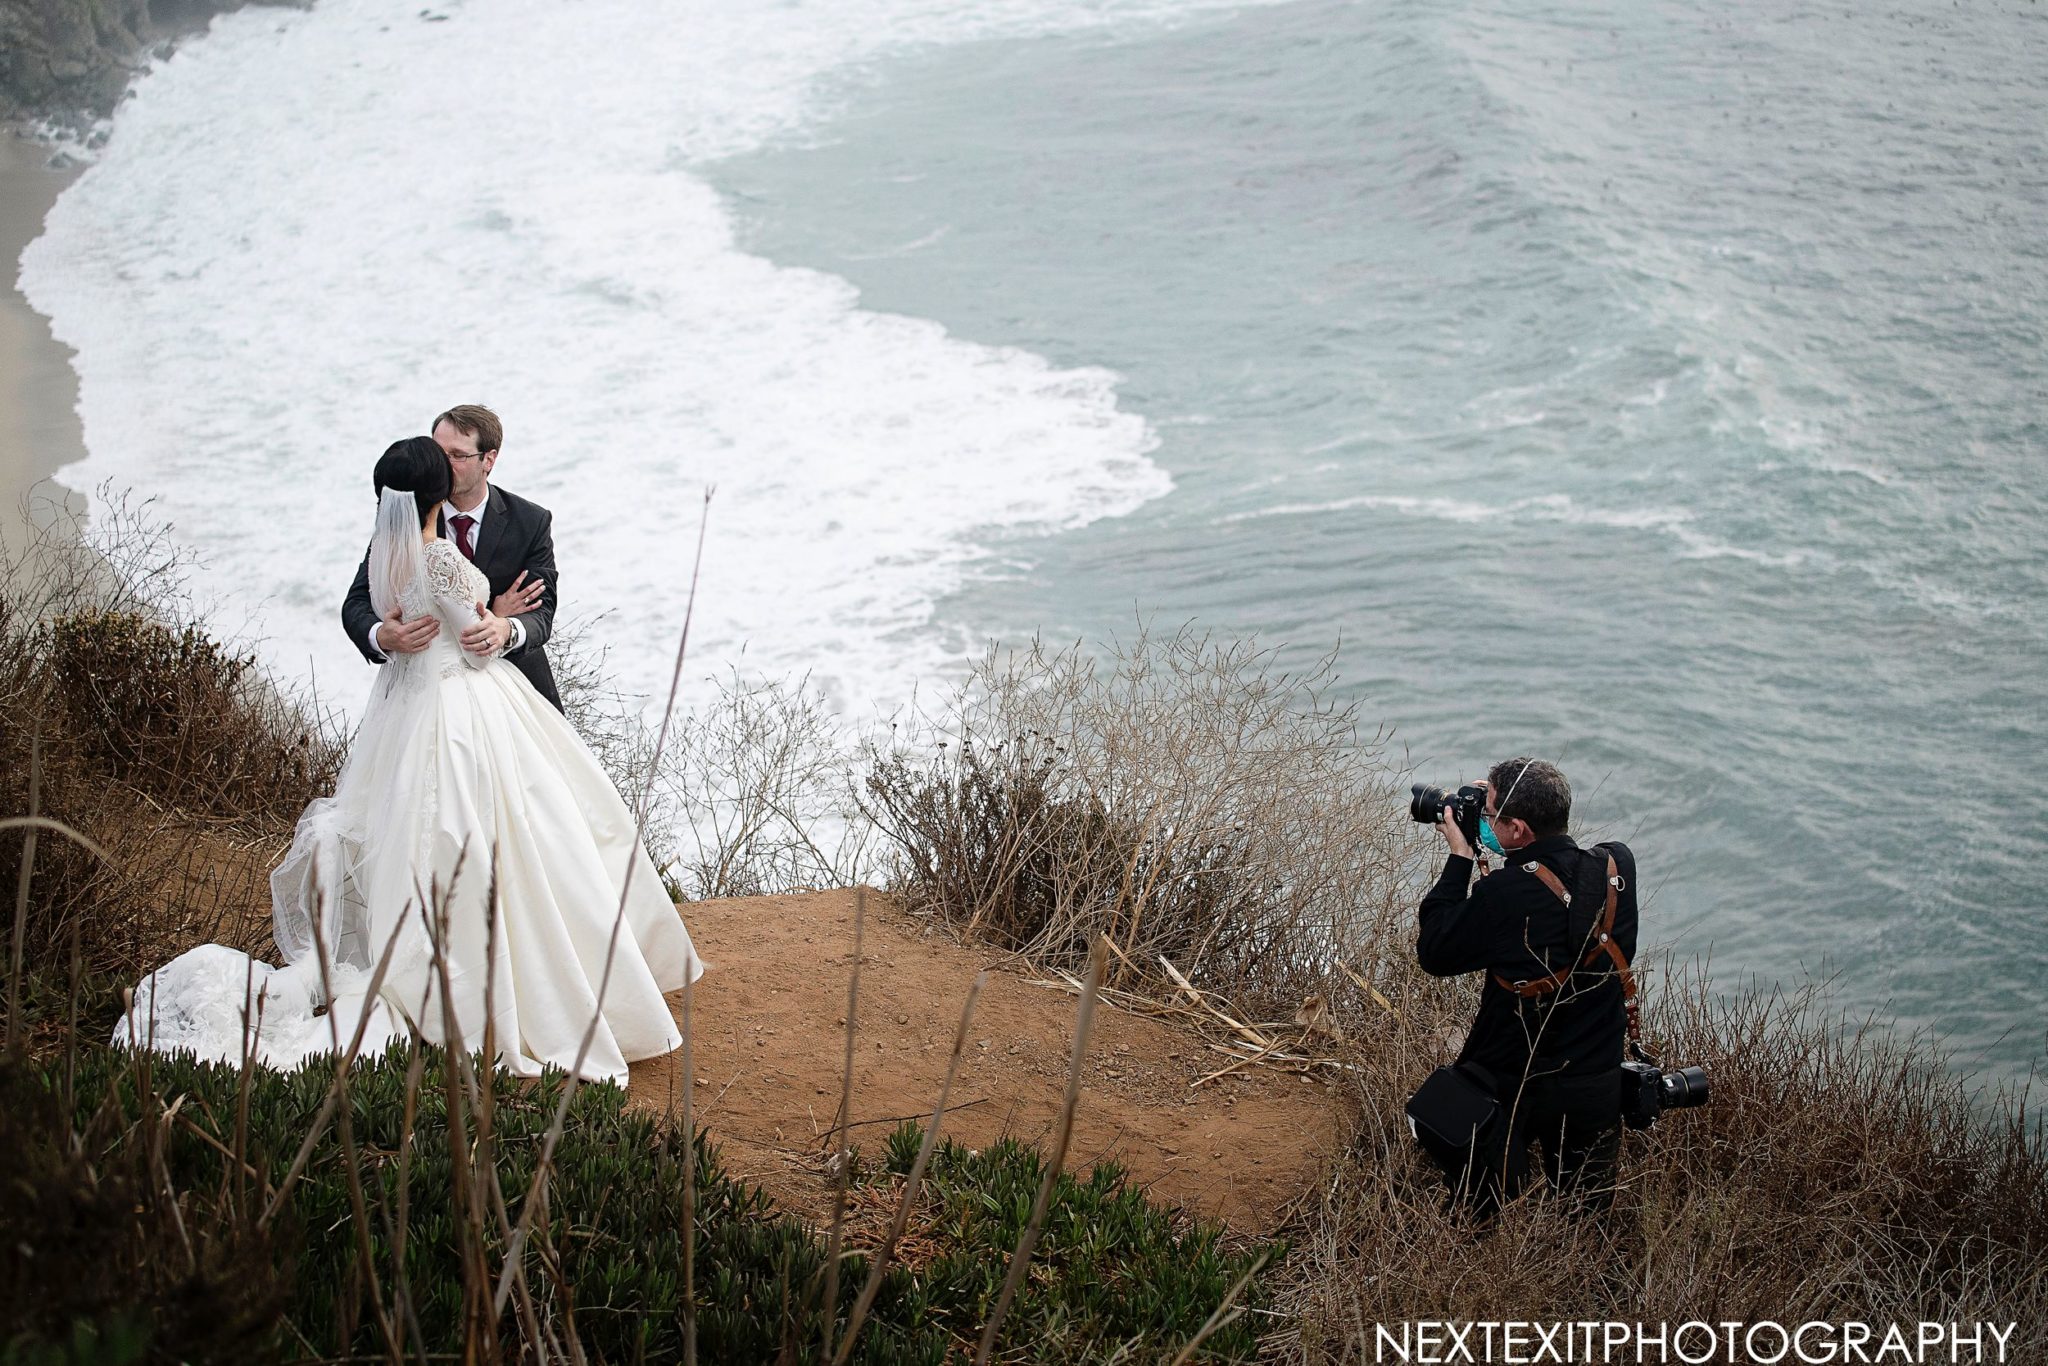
(1868, 473)
(1653, 397)
(71, 142)
(313, 230)
(1675, 523)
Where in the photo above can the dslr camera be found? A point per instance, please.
(1647, 1090)
(1426, 807)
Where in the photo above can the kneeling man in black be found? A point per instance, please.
(1552, 1018)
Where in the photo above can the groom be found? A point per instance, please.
(510, 539)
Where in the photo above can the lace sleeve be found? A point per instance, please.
(449, 581)
(457, 592)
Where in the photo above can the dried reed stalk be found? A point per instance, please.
(554, 1134)
(911, 1183)
(1020, 1260)
(843, 1155)
(415, 1069)
(335, 1091)
(251, 1041)
(373, 1286)
(689, 1184)
(28, 863)
(1222, 1314)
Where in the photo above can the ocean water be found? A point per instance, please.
(311, 232)
(1657, 387)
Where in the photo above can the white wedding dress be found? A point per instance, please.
(465, 794)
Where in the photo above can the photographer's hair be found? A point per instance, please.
(1533, 791)
(473, 419)
(416, 465)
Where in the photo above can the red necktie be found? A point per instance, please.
(463, 525)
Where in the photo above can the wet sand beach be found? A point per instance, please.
(39, 431)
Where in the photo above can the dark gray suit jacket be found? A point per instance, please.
(516, 535)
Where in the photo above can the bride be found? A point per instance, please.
(472, 844)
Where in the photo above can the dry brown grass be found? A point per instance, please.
(185, 772)
(1182, 795)
(115, 1261)
(1193, 803)
(1182, 798)
(1839, 1173)
(149, 736)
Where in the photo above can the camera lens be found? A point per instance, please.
(1426, 806)
(1685, 1087)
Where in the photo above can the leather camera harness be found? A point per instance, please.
(1458, 1105)
(1604, 946)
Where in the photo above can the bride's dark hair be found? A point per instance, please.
(416, 465)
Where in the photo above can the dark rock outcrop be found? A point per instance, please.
(71, 60)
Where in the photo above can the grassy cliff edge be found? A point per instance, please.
(1171, 800)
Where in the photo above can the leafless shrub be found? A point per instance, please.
(167, 747)
(197, 1187)
(1185, 798)
(607, 718)
(1181, 795)
(748, 799)
(756, 784)
(1839, 1173)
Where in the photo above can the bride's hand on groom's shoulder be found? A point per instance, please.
(489, 635)
(522, 597)
(395, 635)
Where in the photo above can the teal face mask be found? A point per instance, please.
(1487, 837)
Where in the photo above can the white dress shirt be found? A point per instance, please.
(476, 515)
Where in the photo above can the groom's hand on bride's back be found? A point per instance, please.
(396, 636)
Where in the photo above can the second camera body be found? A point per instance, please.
(1647, 1091)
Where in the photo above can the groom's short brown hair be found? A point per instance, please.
(473, 419)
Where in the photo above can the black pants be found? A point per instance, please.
(1574, 1121)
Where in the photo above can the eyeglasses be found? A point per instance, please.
(457, 456)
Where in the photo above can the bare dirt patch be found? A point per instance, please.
(769, 1043)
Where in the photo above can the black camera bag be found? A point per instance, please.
(1454, 1108)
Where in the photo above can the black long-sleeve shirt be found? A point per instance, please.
(1512, 924)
